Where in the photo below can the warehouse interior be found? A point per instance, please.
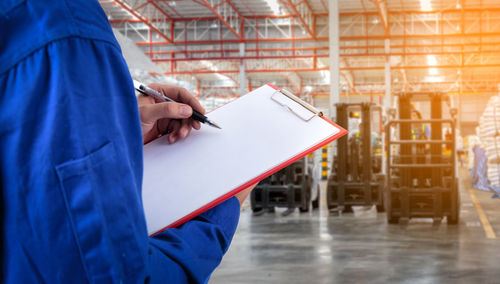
(417, 81)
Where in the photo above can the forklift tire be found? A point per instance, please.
(252, 202)
(253, 206)
(393, 220)
(315, 202)
(256, 209)
(307, 197)
(455, 216)
(382, 184)
(347, 209)
(451, 220)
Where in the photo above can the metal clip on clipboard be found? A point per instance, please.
(300, 108)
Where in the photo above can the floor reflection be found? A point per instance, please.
(359, 247)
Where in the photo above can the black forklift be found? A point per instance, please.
(356, 178)
(422, 180)
(290, 187)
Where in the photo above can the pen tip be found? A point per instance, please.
(213, 124)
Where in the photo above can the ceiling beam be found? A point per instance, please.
(359, 68)
(225, 12)
(351, 73)
(141, 18)
(383, 13)
(321, 15)
(303, 11)
(163, 12)
(342, 38)
(299, 56)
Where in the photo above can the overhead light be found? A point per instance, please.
(209, 65)
(172, 3)
(434, 79)
(458, 5)
(325, 74)
(274, 5)
(308, 88)
(425, 5)
(214, 25)
(431, 61)
(225, 79)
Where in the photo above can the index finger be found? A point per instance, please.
(179, 95)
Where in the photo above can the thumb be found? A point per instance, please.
(153, 112)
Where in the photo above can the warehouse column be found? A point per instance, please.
(242, 69)
(459, 103)
(333, 34)
(387, 98)
(387, 75)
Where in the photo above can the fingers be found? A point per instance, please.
(185, 128)
(170, 117)
(195, 124)
(165, 127)
(179, 130)
(143, 100)
(153, 112)
(175, 125)
(180, 95)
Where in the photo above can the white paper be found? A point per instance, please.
(257, 135)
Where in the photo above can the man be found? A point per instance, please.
(419, 131)
(71, 158)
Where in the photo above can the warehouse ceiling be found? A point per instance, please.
(433, 45)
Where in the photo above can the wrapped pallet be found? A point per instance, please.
(494, 174)
(489, 136)
(492, 147)
(472, 140)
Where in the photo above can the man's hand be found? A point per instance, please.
(159, 117)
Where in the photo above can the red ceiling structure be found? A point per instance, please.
(453, 47)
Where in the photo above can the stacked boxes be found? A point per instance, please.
(489, 135)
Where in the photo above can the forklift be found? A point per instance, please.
(290, 188)
(356, 178)
(422, 181)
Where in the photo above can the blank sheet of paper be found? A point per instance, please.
(258, 135)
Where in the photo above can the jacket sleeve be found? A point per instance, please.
(191, 252)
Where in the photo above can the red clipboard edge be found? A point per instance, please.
(230, 194)
(273, 87)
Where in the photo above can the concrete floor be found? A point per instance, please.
(361, 247)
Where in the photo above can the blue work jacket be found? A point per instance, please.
(71, 160)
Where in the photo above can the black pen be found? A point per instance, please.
(145, 90)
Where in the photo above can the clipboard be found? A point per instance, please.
(262, 132)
